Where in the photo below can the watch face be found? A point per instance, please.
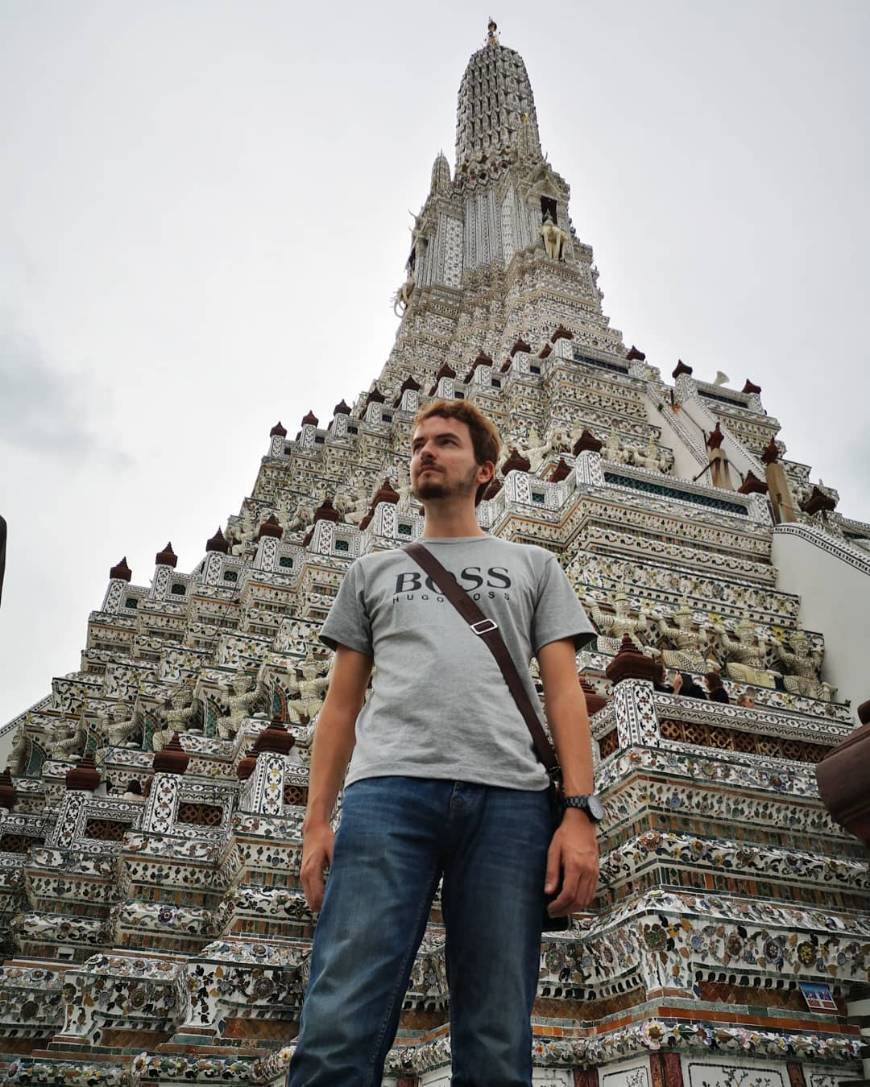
(596, 808)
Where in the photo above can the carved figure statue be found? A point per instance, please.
(554, 238)
(804, 664)
(16, 762)
(650, 457)
(622, 621)
(613, 449)
(117, 727)
(74, 742)
(684, 647)
(307, 692)
(403, 295)
(248, 696)
(746, 655)
(176, 712)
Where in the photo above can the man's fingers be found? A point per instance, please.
(560, 906)
(554, 867)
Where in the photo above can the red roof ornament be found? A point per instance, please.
(560, 472)
(515, 463)
(166, 557)
(326, 512)
(561, 333)
(247, 765)
(594, 701)
(275, 738)
(278, 431)
(374, 397)
(310, 419)
(630, 663)
(587, 442)
(715, 438)
(771, 453)
(385, 493)
(680, 368)
(750, 387)
(341, 408)
(173, 759)
(121, 571)
(818, 502)
(752, 485)
(218, 543)
(635, 355)
(270, 527)
(8, 795)
(84, 777)
(521, 345)
(545, 351)
(495, 485)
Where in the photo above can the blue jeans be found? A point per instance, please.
(398, 837)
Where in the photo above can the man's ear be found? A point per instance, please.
(488, 470)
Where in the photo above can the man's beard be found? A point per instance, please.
(433, 487)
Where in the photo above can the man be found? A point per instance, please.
(443, 783)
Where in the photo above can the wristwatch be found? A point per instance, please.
(588, 803)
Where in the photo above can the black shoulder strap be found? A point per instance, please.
(487, 630)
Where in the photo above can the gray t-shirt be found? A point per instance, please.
(439, 705)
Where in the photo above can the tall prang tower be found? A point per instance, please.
(151, 918)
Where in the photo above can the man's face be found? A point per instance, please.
(442, 460)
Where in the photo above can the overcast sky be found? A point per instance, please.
(204, 212)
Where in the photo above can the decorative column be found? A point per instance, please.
(268, 535)
(263, 770)
(80, 784)
(276, 440)
(165, 562)
(445, 383)
(632, 675)
(781, 498)
(340, 416)
(309, 431)
(169, 767)
(119, 576)
(215, 549)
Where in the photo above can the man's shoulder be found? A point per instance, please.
(531, 553)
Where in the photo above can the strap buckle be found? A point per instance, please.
(484, 626)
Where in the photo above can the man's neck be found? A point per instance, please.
(449, 520)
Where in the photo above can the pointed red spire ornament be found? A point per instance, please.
(275, 738)
(270, 527)
(121, 571)
(218, 543)
(278, 431)
(310, 419)
(85, 777)
(630, 663)
(516, 462)
(166, 557)
(587, 442)
(8, 795)
(681, 368)
(173, 759)
(560, 472)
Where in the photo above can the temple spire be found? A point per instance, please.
(494, 96)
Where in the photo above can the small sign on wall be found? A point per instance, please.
(818, 996)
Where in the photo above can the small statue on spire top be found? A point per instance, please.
(492, 32)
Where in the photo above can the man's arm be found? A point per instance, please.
(574, 848)
(333, 745)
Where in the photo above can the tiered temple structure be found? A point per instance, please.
(153, 926)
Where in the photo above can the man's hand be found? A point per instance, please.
(573, 853)
(318, 842)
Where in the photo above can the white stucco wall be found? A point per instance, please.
(833, 582)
